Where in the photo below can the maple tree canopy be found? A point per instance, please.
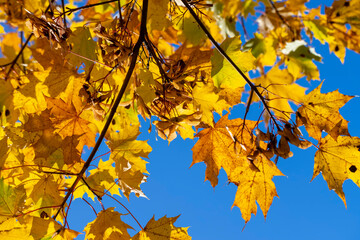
(74, 74)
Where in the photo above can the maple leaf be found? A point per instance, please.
(47, 142)
(320, 112)
(83, 45)
(299, 60)
(8, 113)
(11, 199)
(207, 101)
(255, 186)
(102, 179)
(189, 31)
(42, 190)
(338, 160)
(108, 226)
(262, 48)
(225, 146)
(162, 229)
(146, 91)
(68, 122)
(222, 73)
(280, 88)
(127, 154)
(157, 15)
(10, 46)
(31, 227)
(43, 52)
(232, 8)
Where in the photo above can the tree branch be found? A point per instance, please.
(71, 10)
(280, 16)
(134, 57)
(17, 56)
(223, 53)
(20, 53)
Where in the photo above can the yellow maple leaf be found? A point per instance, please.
(263, 48)
(10, 45)
(280, 89)
(127, 153)
(45, 142)
(338, 160)
(68, 122)
(11, 199)
(146, 91)
(300, 58)
(320, 112)
(231, 8)
(222, 73)
(189, 31)
(255, 186)
(107, 226)
(162, 229)
(42, 190)
(102, 179)
(8, 111)
(206, 100)
(33, 228)
(157, 15)
(219, 147)
(83, 45)
(29, 97)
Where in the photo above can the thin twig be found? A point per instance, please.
(135, 54)
(242, 21)
(71, 10)
(90, 206)
(21, 51)
(151, 49)
(280, 16)
(120, 17)
(17, 56)
(224, 54)
(67, 210)
(22, 54)
(94, 61)
(63, 8)
(126, 210)
(93, 192)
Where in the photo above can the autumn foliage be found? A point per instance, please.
(75, 74)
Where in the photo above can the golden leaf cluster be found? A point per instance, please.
(77, 74)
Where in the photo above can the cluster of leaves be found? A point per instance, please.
(77, 71)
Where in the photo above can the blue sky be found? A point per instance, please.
(305, 210)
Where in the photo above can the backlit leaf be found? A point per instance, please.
(338, 160)
(223, 74)
(107, 226)
(320, 112)
(162, 229)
